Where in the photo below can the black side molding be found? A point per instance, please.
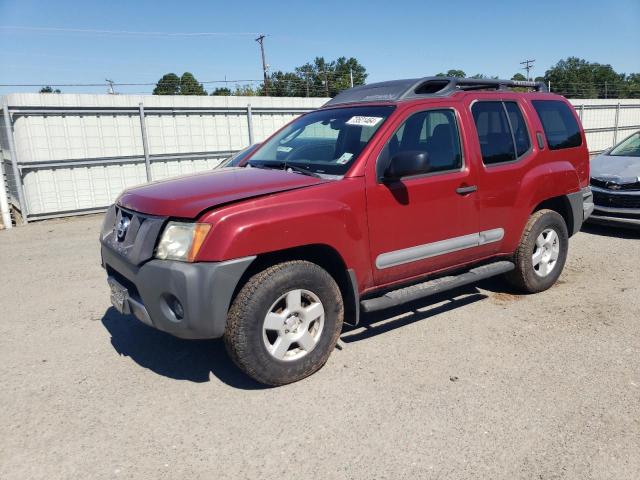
(432, 287)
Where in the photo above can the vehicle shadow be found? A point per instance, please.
(611, 231)
(191, 360)
(196, 360)
(377, 323)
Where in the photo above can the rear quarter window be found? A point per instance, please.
(560, 126)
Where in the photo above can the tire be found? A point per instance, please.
(536, 275)
(277, 336)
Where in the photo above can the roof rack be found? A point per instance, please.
(426, 87)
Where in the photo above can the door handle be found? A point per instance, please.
(466, 189)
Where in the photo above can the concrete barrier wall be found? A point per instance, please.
(76, 153)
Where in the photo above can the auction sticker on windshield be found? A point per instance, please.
(364, 121)
(344, 158)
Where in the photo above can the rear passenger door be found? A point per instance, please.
(504, 155)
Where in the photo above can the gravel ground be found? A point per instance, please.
(481, 383)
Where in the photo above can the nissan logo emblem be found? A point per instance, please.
(121, 230)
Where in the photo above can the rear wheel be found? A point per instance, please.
(542, 252)
(285, 322)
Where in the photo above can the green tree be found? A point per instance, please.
(48, 89)
(247, 91)
(343, 70)
(631, 87)
(169, 84)
(222, 91)
(190, 86)
(576, 77)
(285, 84)
(322, 78)
(453, 73)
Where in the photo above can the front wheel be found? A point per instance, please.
(285, 322)
(542, 252)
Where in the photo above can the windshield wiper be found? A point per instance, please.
(284, 166)
(304, 171)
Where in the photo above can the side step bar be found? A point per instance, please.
(432, 287)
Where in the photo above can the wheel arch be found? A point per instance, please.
(322, 255)
(560, 205)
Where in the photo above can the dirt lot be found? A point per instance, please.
(478, 384)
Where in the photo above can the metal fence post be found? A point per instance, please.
(4, 203)
(615, 128)
(582, 113)
(17, 176)
(250, 123)
(145, 146)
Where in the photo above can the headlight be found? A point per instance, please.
(182, 241)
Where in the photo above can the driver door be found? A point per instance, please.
(424, 222)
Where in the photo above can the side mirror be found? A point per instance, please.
(404, 164)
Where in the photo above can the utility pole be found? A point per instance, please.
(110, 89)
(306, 78)
(351, 75)
(528, 65)
(260, 40)
(326, 82)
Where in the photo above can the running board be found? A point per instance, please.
(432, 287)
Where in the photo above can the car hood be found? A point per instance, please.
(622, 169)
(190, 195)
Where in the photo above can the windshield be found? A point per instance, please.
(628, 148)
(235, 159)
(324, 142)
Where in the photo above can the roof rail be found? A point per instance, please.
(426, 87)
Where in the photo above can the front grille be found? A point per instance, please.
(137, 240)
(611, 185)
(616, 200)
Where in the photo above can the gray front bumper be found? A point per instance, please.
(203, 289)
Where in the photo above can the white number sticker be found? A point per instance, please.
(364, 121)
(344, 158)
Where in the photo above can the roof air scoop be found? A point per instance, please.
(430, 87)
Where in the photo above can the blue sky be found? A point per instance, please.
(393, 39)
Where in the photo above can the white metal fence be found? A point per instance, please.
(69, 154)
(607, 121)
(76, 153)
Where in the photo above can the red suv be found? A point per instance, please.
(389, 193)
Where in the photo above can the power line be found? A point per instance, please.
(128, 32)
(116, 84)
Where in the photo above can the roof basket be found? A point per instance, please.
(426, 87)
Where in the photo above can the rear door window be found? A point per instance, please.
(502, 131)
(519, 128)
(559, 124)
(494, 134)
